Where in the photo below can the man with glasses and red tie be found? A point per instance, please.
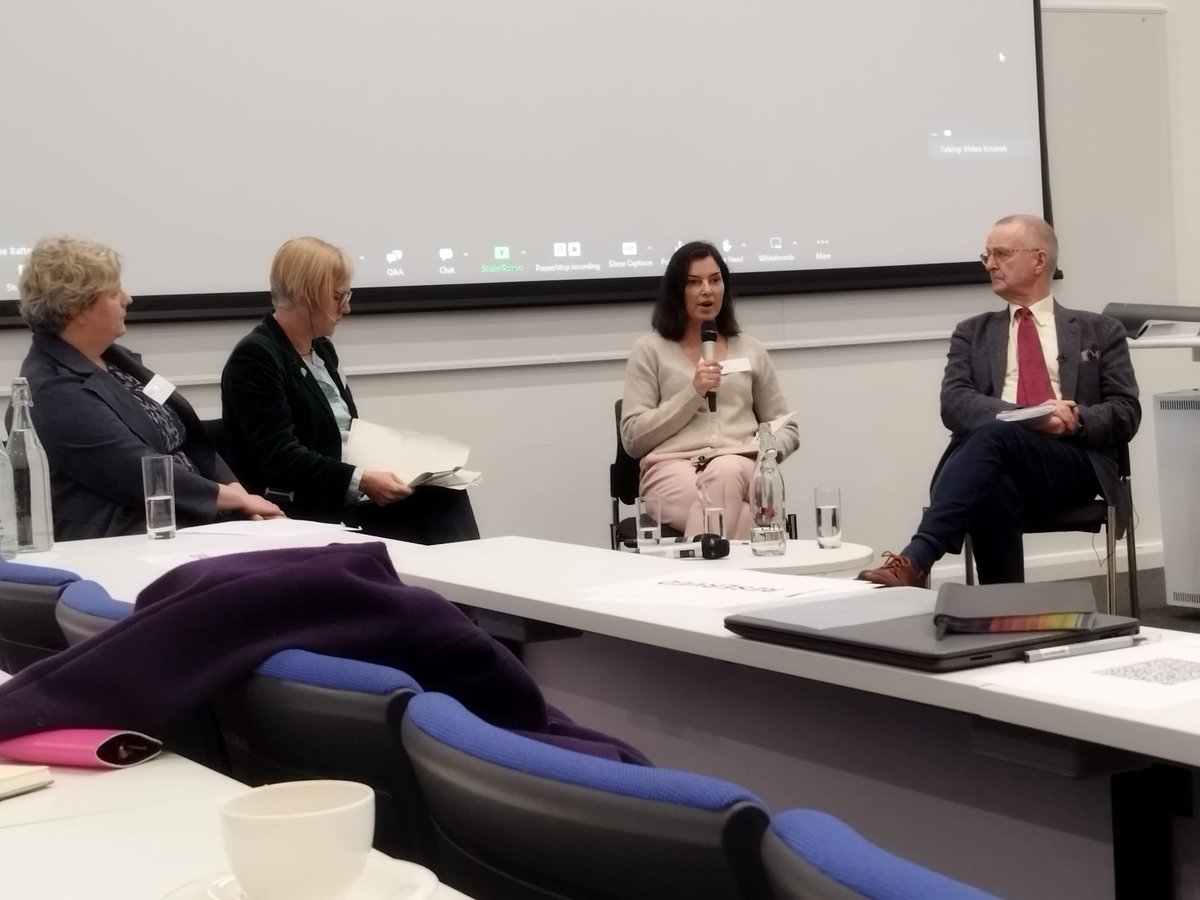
(995, 474)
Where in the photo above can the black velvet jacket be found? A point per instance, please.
(283, 440)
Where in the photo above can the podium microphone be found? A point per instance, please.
(708, 350)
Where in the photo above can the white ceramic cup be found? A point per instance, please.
(299, 840)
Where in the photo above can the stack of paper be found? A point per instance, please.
(416, 458)
(1026, 413)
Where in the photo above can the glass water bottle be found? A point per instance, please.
(768, 537)
(31, 475)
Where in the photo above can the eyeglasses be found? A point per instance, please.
(1000, 254)
(343, 297)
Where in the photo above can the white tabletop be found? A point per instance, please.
(125, 565)
(555, 583)
(128, 834)
(801, 557)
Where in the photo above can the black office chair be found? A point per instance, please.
(1091, 517)
(623, 487)
(28, 629)
(305, 715)
(519, 819)
(215, 429)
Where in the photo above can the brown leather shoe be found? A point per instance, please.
(896, 571)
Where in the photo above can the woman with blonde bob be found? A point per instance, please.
(95, 410)
(287, 412)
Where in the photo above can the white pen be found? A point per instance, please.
(1113, 643)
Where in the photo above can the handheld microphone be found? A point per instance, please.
(708, 350)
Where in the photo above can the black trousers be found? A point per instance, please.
(999, 477)
(432, 515)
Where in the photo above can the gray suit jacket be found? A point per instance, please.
(95, 434)
(1095, 372)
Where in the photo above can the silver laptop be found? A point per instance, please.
(895, 626)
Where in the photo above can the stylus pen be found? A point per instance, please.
(1113, 643)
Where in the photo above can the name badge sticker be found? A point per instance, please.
(159, 389)
(739, 364)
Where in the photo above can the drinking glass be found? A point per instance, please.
(828, 502)
(158, 483)
(714, 521)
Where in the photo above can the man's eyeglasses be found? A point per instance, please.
(343, 297)
(1000, 254)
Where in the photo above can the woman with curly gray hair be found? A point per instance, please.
(98, 410)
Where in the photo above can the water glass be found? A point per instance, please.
(714, 521)
(298, 840)
(649, 524)
(769, 539)
(158, 484)
(828, 502)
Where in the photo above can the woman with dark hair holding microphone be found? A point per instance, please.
(691, 457)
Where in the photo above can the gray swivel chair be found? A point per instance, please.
(520, 819)
(307, 715)
(810, 855)
(28, 598)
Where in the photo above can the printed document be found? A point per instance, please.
(416, 457)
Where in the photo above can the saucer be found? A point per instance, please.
(383, 878)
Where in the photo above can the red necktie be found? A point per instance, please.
(1033, 379)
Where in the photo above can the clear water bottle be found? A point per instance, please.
(31, 475)
(768, 537)
(8, 509)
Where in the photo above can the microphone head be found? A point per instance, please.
(708, 330)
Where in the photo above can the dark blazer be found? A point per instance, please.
(95, 434)
(1094, 368)
(282, 437)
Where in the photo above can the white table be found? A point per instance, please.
(880, 746)
(130, 834)
(802, 557)
(891, 750)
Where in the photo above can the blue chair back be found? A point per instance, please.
(811, 855)
(306, 715)
(85, 609)
(28, 597)
(519, 818)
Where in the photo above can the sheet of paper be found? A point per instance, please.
(1148, 676)
(722, 588)
(273, 528)
(867, 605)
(458, 480)
(413, 455)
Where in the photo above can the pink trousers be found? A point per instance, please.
(685, 493)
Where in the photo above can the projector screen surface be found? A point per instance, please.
(489, 149)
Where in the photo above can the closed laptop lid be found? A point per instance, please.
(895, 626)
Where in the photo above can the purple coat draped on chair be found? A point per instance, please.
(204, 626)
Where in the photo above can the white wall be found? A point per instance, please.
(532, 390)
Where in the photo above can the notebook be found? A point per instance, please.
(990, 608)
(895, 626)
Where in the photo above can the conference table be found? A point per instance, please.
(141, 833)
(1033, 781)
